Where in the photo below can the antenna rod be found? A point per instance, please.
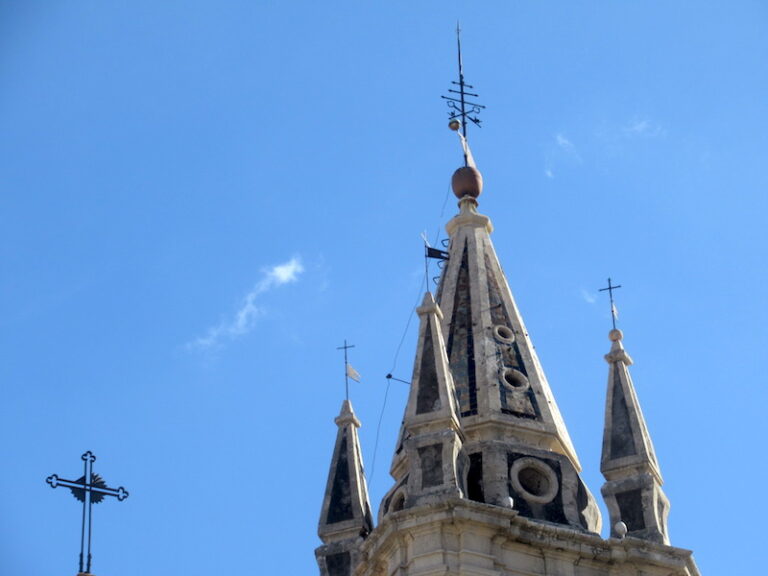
(461, 86)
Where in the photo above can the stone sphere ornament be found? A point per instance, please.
(467, 181)
(620, 528)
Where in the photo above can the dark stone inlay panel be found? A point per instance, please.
(431, 458)
(622, 438)
(339, 564)
(460, 345)
(631, 509)
(340, 508)
(475, 478)
(428, 396)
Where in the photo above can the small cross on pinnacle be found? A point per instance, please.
(610, 288)
(348, 370)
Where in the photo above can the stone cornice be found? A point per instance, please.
(505, 527)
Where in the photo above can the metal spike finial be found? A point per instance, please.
(460, 110)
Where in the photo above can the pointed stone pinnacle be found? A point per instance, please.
(429, 306)
(345, 514)
(638, 507)
(347, 416)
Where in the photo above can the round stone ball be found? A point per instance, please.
(467, 181)
(615, 335)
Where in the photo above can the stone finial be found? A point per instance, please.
(620, 529)
(617, 353)
(347, 416)
(467, 181)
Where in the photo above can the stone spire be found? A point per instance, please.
(520, 452)
(345, 518)
(429, 464)
(632, 490)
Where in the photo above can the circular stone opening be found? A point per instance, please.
(514, 378)
(504, 333)
(534, 480)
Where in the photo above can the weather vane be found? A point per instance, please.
(90, 489)
(460, 110)
(614, 313)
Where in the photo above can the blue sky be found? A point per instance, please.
(199, 201)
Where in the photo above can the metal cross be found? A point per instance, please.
(90, 489)
(460, 109)
(610, 290)
(346, 366)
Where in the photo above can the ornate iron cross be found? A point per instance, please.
(90, 489)
(461, 110)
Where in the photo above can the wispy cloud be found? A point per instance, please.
(643, 127)
(563, 142)
(244, 319)
(567, 146)
(560, 151)
(589, 297)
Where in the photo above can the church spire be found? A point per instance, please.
(510, 437)
(345, 518)
(520, 452)
(632, 490)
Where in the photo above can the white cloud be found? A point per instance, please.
(567, 147)
(589, 298)
(283, 273)
(643, 127)
(549, 174)
(563, 142)
(244, 319)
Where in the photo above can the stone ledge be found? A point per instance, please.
(504, 529)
